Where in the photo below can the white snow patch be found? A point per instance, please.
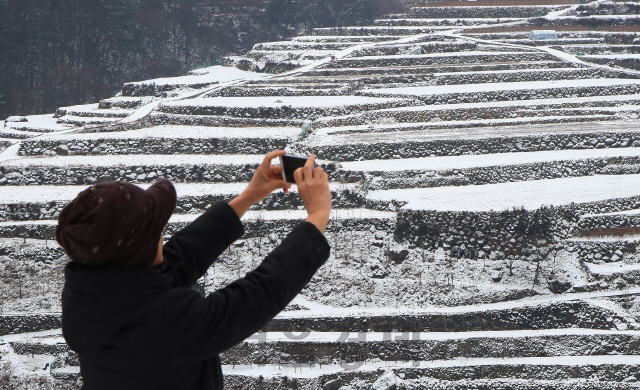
(212, 74)
(136, 160)
(504, 196)
(314, 370)
(181, 132)
(490, 87)
(485, 160)
(281, 101)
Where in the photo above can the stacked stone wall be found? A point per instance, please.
(481, 12)
(18, 323)
(520, 94)
(418, 60)
(459, 147)
(168, 146)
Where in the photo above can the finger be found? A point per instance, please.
(270, 156)
(276, 172)
(298, 176)
(274, 185)
(308, 167)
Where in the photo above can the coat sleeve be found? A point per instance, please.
(201, 327)
(192, 250)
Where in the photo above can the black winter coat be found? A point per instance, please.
(137, 328)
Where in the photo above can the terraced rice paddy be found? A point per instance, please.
(486, 198)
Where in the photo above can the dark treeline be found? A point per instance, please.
(62, 52)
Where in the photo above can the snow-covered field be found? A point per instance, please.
(513, 303)
(530, 195)
(211, 75)
(485, 160)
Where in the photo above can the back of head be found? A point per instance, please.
(116, 223)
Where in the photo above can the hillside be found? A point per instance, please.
(485, 188)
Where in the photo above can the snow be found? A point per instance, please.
(89, 120)
(282, 101)
(265, 215)
(460, 130)
(212, 74)
(10, 131)
(621, 56)
(486, 160)
(525, 103)
(415, 21)
(46, 122)
(181, 132)
(492, 87)
(81, 107)
(402, 130)
(276, 215)
(346, 38)
(504, 196)
(135, 160)
(611, 268)
(47, 193)
(517, 71)
(313, 370)
(141, 112)
(439, 55)
(354, 337)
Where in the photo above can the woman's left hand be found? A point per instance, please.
(265, 180)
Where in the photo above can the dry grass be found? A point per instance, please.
(615, 232)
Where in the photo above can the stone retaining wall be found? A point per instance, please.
(525, 143)
(443, 60)
(592, 21)
(521, 11)
(220, 173)
(575, 74)
(518, 233)
(422, 48)
(498, 174)
(22, 348)
(106, 104)
(368, 31)
(523, 94)
(301, 45)
(167, 145)
(221, 121)
(598, 49)
(5, 144)
(17, 323)
(556, 315)
(32, 253)
(407, 347)
(440, 69)
(139, 89)
(197, 204)
(604, 251)
(629, 63)
(283, 112)
(294, 90)
(253, 228)
(523, 234)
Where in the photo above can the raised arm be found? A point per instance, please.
(210, 325)
(192, 250)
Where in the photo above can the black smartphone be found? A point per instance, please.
(289, 164)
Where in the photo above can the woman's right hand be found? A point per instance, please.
(313, 187)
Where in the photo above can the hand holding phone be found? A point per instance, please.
(313, 187)
(289, 164)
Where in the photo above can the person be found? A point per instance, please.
(128, 308)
